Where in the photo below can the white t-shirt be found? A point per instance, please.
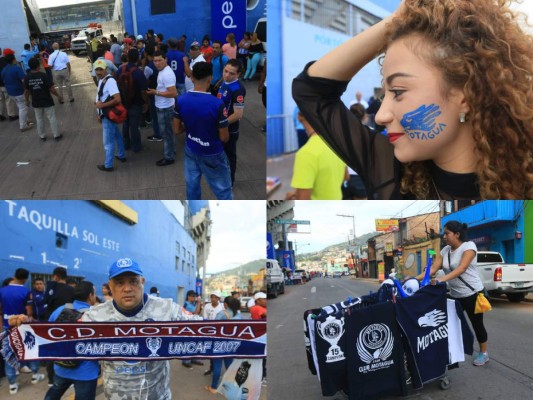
(188, 81)
(110, 89)
(457, 288)
(210, 312)
(165, 79)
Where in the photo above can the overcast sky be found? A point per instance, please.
(327, 228)
(238, 234)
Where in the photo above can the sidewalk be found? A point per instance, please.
(281, 167)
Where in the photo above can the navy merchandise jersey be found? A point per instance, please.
(423, 319)
(232, 94)
(374, 351)
(14, 299)
(330, 342)
(202, 115)
(308, 320)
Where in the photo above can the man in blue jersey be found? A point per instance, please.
(37, 300)
(205, 120)
(16, 299)
(232, 93)
(84, 374)
(175, 62)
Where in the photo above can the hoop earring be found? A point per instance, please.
(463, 117)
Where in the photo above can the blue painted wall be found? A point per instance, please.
(192, 18)
(499, 220)
(275, 84)
(30, 242)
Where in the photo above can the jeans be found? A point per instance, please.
(215, 169)
(130, 129)
(164, 117)
(23, 110)
(84, 390)
(11, 373)
(217, 369)
(50, 113)
(230, 148)
(153, 116)
(111, 134)
(180, 87)
(252, 65)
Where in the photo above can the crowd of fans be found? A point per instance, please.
(145, 75)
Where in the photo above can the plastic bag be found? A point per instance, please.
(482, 304)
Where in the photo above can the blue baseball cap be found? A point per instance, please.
(124, 265)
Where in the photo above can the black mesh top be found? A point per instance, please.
(368, 153)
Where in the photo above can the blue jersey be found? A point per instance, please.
(175, 62)
(14, 299)
(12, 75)
(232, 94)
(219, 62)
(202, 115)
(39, 305)
(86, 370)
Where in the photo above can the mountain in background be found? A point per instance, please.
(251, 267)
(342, 246)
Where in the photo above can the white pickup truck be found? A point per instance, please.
(275, 280)
(513, 280)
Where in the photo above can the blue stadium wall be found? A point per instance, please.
(29, 238)
(192, 18)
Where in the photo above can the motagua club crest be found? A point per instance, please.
(331, 330)
(153, 345)
(374, 346)
(124, 262)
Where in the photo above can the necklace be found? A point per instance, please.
(435, 187)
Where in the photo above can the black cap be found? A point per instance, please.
(191, 293)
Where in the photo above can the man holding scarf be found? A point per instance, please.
(145, 380)
(148, 380)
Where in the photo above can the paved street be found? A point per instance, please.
(507, 376)
(67, 170)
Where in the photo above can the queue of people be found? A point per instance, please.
(144, 76)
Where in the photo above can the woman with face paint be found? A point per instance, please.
(458, 104)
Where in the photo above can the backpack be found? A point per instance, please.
(117, 113)
(69, 314)
(126, 86)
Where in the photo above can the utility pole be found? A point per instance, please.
(353, 223)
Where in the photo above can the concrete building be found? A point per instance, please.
(301, 31)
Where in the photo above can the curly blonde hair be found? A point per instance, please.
(478, 46)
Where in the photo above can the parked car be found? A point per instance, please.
(244, 303)
(337, 274)
(499, 277)
(301, 274)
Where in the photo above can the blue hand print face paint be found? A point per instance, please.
(421, 123)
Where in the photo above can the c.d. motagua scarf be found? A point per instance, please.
(142, 341)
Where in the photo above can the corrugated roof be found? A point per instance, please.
(61, 3)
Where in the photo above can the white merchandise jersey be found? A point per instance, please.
(138, 380)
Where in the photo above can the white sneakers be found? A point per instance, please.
(14, 388)
(36, 378)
